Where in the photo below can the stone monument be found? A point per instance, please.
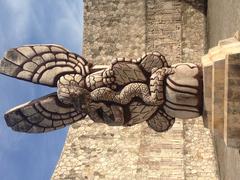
(126, 92)
(130, 28)
(221, 90)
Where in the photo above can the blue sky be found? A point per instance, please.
(29, 156)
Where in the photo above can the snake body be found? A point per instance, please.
(151, 95)
(124, 96)
(100, 89)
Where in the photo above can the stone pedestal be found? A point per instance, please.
(221, 73)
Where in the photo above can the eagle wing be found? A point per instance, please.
(42, 64)
(42, 115)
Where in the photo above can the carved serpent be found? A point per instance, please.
(102, 92)
(154, 96)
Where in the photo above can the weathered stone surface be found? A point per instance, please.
(218, 96)
(222, 23)
(21, 63)
(184, 91)
(126, 73)
(164, 28)
(140, 112)
(225, 95)
(207, 106)
(41, 115)
(139, 152)
(199, 153)
(193, 30)
(228, 157)
(123, 24)
(53, 115)
(232, 101)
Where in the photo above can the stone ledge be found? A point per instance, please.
(221, 68)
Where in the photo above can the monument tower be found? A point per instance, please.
(130, 28)
(178, 110)
(174, 105)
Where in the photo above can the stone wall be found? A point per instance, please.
(129, 28)
(164, 28)
(199, 158)
(178, 30)
(165, 158)
(223, 22)
(114, 28)
(193, 30)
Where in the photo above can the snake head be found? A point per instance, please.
(71, 91)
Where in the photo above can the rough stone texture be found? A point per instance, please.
(228, 158)
(199, 158)
(121, 153)
(103, 153)
(193, 30)
(232, 101)
(184, 91)
(127, 28)
(223, 20)
(207, 110)
(164, 28)
(114, 29)
(161, 155)
(218, 97)
(199, 153)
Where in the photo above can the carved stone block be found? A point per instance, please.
(232, 101)
(207, 106)
(218, 76)
(184, 91)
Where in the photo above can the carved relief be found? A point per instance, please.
(126, 92)
(184, 91)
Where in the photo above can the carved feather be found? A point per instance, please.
(42, 115)
(153, 60)
(161, 121)
(126, 72)
(42, 64)
(140, 112)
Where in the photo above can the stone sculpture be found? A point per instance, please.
(126, 92)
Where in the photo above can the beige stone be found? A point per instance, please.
(232, 101)
(184, 91)
(207, 106)
(224, 61)
(160, 156)
(119, 29)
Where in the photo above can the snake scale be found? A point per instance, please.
(150, 96)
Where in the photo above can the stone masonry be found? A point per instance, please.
(114, 29)
(129, 28)
(223, 22)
